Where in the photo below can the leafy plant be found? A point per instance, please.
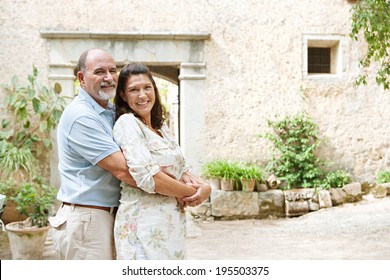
(249, 171)
(36, 110)
(383, 177)
(213, 169)
(223, 169)
(336, 179)
(372, 19)
(34, 200)
(9, 188)
(295, 140)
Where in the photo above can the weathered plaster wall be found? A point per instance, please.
(253, 67)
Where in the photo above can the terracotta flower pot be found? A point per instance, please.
(10, 214)
(227, 184)
(215, 183)
(26, 243)
(248, 185)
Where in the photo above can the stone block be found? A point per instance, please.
(324, 199)
(353, 192)
(337, 196)
(202, 210)
(313, 206)
(296, 208)
(296, 194)
(379, 191)
(387, 186)
(234, 204)
(297, 201)
(271, 204)
(353, 189)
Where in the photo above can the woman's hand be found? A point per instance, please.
(181, 204)
(203, 191)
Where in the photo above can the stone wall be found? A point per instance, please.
(254, 68)
(271, 204)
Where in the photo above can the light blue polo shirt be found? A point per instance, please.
(84, 138)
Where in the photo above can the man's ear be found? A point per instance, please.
(80, 77)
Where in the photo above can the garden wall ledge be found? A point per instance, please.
(273, 203)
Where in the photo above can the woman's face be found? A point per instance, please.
(139, 95)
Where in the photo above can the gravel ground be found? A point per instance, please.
(359, 231)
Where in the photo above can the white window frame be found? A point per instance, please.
(335, 43)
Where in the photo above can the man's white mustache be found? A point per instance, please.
(105, 84)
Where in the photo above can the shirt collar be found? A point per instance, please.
(83, 95)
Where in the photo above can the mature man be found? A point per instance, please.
(92, 165)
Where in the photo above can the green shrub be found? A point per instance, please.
(34, 200)
(294, 162)
(9, 188)
(383, 177)
(35, 110)
(336, 179)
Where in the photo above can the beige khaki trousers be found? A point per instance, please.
(81, 233)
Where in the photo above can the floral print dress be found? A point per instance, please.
(145, 217)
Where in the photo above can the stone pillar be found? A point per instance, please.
(192, 79)
(64, 75)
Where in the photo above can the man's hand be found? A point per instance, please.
(188, 177)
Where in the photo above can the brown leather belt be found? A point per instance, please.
(112, 210)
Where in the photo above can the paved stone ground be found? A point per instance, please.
(359, 231)
(349, 232)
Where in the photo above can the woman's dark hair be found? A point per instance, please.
(121, 106)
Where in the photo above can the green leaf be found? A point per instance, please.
(46, 142)
(5, 123)
(57, 115)
(43, 126)
(57, 88)
(36, 105)
(26, 124)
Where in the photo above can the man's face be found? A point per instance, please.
(100, 78)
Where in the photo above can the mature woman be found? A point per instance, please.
(150, 222)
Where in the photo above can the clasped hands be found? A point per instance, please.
(203, 190)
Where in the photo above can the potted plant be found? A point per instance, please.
(229, 175)
(225, 171)
(212, 172)
(25, 139)
(249, 174)
(27, 238)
